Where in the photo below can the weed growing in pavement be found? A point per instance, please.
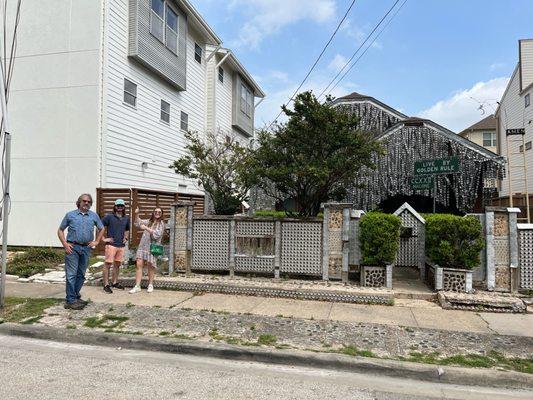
(122, 332)
(31, 320)
(18, 309)
(129, 304)
(107, 321)
(267, 339)
(71, 326)
(182, 336)
(252, 328)
(164, 333)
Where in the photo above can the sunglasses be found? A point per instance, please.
(87, 201)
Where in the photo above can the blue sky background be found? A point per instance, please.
(432, 59)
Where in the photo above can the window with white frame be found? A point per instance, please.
(164, 24)
(221, 74)
(197, 53)
(528, 146)
(130, 93)
(489, 139)
(165, 111)
(246, 101)
(184, 122)
(527, 100)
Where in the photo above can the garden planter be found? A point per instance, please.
(376, 276)
(449, 279)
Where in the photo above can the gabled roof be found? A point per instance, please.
(357, 97)
(445, 132)
(407, 206)
(486, 124)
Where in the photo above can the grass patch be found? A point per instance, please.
(215, 335)
(107, 321)
(21, 309)
(183, 336)
(34, 260)
(164, 333)
(354, 351)
(122, 332)
(129, 304)
(267, 339)
(71, 326)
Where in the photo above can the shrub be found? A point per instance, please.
(34, 260)
(453, 241)
(379, 235)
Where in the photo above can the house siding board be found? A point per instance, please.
(136, 135)
(526, 63)
(514, 114)
(148, 50)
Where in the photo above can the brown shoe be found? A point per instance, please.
(75, 305)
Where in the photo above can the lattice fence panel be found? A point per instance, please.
(525, 239)
(301, 248)
(210, 247)
(254, 264)
(254, 228)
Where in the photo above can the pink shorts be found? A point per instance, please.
(113, 253)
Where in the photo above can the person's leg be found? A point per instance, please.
(107, 264)
(84, 255)
(138, 276)
(151, 273)
(118, 259)
(71, 268)
(105, 273)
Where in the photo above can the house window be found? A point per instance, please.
(527, 100)
(246, 101)
(130, 93)
(184, 123)
(165, 111)
(164, 24)
(197, 53)
(220, 75)
(520, 149)
(528, 145)
(171, 35)
(489, 139)
(157, 18)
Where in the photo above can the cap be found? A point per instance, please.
(120, 202)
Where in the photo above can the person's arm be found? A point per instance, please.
(105, 221)
(61, 235)
(127, 232)
(157, 233)
(99, 231)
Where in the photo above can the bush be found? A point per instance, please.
(453, 241)
(34, 260)
(379, 235)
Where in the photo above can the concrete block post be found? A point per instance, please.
(277, 249)
(325, 244)
(489, 245)
(345, 243)
(468, 281)
(232, 248)
(513, 248)
(439, 278)
(172, 239)
(190, 232)
(388, 276)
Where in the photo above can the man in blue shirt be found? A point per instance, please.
(78, 245)
(117, 227)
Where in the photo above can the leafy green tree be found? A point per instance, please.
(217, 162)
(312, 158)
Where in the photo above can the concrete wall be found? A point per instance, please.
(54, 108)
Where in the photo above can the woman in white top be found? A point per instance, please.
(153, 234)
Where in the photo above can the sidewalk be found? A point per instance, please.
(405, 312)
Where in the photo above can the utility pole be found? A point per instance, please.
(4, 212)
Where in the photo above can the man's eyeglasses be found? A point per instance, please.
(87, 201)
(121, 206)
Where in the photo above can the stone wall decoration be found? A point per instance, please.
(525, 243)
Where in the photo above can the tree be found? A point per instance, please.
(217, 163)
(314, 157)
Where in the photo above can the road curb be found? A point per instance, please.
(398, 369)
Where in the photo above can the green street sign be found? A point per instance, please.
(421, 182)
(439, 166)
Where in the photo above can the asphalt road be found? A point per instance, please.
(31, 369)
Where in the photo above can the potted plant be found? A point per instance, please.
(379, 234)
(453, 245)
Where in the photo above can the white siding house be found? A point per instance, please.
(101, 99)
(516, 112)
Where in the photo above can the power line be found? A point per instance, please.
(358, 49)
(370, 45)
(317, 60)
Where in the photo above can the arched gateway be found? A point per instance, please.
(409, 141)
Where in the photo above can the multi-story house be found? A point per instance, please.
(102, 93)
(483, 133)
(515, 115)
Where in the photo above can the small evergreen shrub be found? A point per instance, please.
(34, 260)
(379, 235)
(453, 241)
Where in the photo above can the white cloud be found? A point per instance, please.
(338, 62)
(462, 109)
(268, 17)
(359, 34)
(497, 65)
(279, 94)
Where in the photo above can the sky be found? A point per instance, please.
(445, 60)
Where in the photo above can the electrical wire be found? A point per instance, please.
(366, 49)
(317, 60)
